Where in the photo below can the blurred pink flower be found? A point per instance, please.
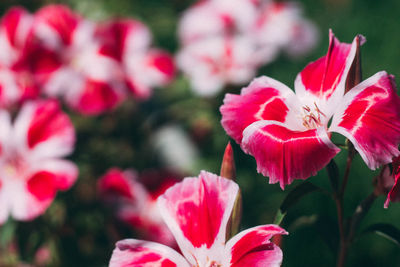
(144, 67)
(197, 211)
(283, 130)
(253, 31)
(135, 205)
(214, 62)
(17, 83)
(69, 63)
(282, 25)
(31, 166)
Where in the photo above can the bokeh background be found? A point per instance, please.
(80, 231)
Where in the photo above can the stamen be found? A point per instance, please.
(312, 118)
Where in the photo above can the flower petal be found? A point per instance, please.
(253, 247)
(263, 99)
(137, 253)
(55, 24)
(43, 128)
(94, 97)
(394, 193)
(197, 211)
(369, 116)
(323, 81)
(284, 154)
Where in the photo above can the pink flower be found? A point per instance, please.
(31, 166)
(17, 83)
(223, 19)
(288, 133)
(144, 67)
(282, 25)
(214, 62)
(135, 205)
(197, 211)
(69, 63)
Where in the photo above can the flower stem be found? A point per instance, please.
(338, 196)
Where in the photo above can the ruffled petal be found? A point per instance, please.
(197, 211)
(43, 128)
(369, 116)
(283, 154)
(263, 99)
(253, 247)
(137, 253)
(323, 81)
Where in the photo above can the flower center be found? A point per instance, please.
(15, 165)
(312, 117)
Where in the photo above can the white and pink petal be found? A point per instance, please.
(263, 99)
(254, 246)
(137, 253)
(44, 129)
(197, 211)
(323, 81)
(369, 116)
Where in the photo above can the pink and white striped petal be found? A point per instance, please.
(148, 69)
(123, 37)
(323, 81)
(369, 116)
(15, 28)
(93, 97)
(283, 154)
(263, 99)
(137, 253)
(197, 211)
(42, 128)
(55, 25)
(252, 247)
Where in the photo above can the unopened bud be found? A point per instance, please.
(228, 169)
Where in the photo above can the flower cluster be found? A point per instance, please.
(92, 66)
(289, 133)
(197, 211)
(225, 44)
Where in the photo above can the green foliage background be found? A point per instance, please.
(81, 232)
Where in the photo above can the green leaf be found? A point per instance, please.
(279, 217)
(333, 174)
(385, 230)
(7, 232)
(296, 194)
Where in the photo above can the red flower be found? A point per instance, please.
(31, 168)
(288, 133)
(197, 211)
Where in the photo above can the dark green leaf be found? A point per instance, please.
(385, 230)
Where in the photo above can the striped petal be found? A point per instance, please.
(284, 154)
(253, 247)
(197, 211)
(369, 116)
(137, 253)
(323, 81)
(263, 99)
